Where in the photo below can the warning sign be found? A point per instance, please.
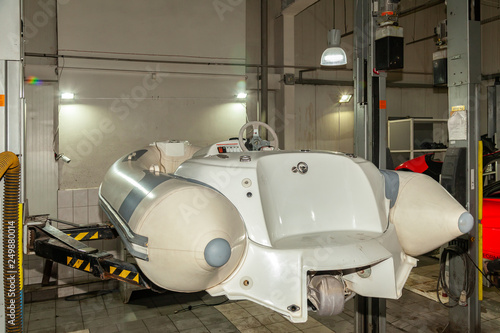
(457, 108)
(2, 100)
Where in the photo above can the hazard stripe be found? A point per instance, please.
(124, 274)
(68, 260)
(81, 235)
(95, 236)
(88, 267)
(78, 263)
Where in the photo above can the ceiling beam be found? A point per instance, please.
(294, 7)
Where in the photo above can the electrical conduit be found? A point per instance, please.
(10, 169)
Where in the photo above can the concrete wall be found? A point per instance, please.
(40, 36)
(321, 121)
(155, 28)
(124, 105)
(490, 35)
(115, 113)
(41, 167)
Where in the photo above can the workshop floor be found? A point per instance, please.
(147, 312)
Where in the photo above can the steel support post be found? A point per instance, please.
(12, 139)
(464, 79)
(363, 38)
(370, 135)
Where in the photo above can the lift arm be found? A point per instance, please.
(65, 247)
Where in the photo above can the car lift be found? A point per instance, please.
(370, 136)
(66, 247)
(464, 80)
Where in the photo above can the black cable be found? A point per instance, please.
(480, 270)
(490, 189)
(489, 158)
(333, 14)
(469, 278)
(191, 307)
(414, 20)
(345, 18)
(59, 74)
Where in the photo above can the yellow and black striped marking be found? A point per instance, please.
(124, 274)
(79, 264)
(84, 236)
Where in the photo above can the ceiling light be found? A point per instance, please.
(67, 95)
(345, 98)
(334, 55)
(241, 95)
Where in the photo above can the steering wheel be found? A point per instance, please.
(256, 142)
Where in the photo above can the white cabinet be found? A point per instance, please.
(412, 137)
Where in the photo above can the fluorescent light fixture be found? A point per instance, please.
(67, 95)
(334, 55)
(241, 95)
(345, 98)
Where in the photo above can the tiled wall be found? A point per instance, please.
(78, 206)
(81, 206)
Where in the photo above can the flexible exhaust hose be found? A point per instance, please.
(12, 251)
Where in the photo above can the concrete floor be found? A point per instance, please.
(149, 312)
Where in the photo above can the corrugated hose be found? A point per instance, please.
(10, 169)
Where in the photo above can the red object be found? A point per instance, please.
(491, 228)
(417, 164)
(382, 104)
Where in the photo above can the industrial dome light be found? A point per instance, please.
(334, 55)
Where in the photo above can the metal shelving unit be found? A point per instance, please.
(402, 135)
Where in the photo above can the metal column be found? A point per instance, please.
(464, 79)
(11, 78)
(370, 135)
(11, 105)
(363, 38)
(370, 116)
